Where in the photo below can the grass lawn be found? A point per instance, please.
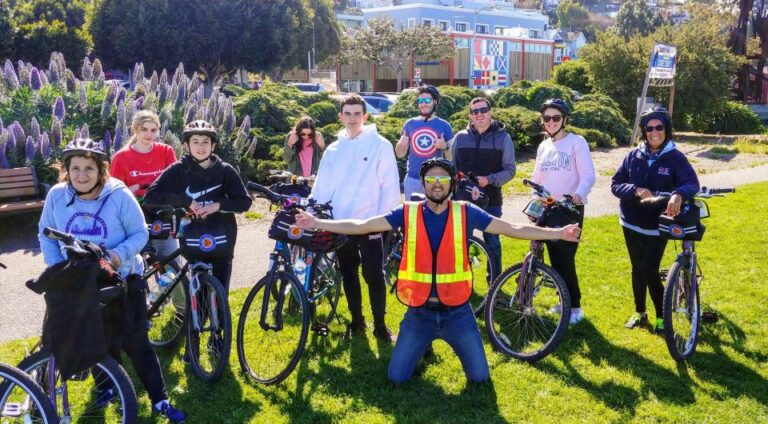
(600, 373)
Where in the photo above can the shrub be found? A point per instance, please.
(731, 118)
(595, 138)
(272, 114)
(323, 113)
(513, 95)
(573, 74)
(595, 115)
(542, 91)
(521, 124)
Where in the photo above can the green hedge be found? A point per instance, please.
(595, 138)
(597, 115)
(732, 118)
(573, 74)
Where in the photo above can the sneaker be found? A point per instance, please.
(168, 411)
(556, 310)
(659, 326)
(104, 398)
(384, 334)
(576, 315)
(355, 328)
(637, 319)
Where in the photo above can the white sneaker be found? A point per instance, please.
(556, 310)
(576, 315)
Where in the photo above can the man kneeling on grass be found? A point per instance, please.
(435, 278)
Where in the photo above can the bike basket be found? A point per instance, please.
(535, 209)
(468, 190)
(205, 240)
(159, 227)
(559, 216)
(297, 192)
(283, 229)
(685, 226)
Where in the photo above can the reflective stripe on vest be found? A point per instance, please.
(419, 269)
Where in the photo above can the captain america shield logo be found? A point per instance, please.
(423, 142)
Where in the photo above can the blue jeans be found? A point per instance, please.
(493, 241)
(421, 326)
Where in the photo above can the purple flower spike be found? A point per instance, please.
(59, 111)
(34, 79)
(45, 146)
(118, 140)
(35, 130)
(30, 149)
(18, 132)
(107, 140)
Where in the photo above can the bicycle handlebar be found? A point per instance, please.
(287, 201)
(703, 193)
(540, 190)
(68, 239)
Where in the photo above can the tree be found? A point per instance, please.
(573, 74)
(572, 15)
(46, 26)
(7, 31)
(212, 36)
(616, 67)
(381, 43)
(635, 17)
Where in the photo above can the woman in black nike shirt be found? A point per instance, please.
(210, 188)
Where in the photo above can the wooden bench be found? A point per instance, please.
(20, 191)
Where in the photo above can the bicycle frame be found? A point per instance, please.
(524, 288)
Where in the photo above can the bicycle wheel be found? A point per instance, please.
(521, 319)
(274, 345)
(168, 324)
(209, 332)
(325, 288)
(682, 313)
(393, 252)
(22, 400)
(103, 393)
(483, 272)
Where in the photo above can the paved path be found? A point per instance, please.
(21, 311)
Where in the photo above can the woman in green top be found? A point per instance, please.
(303, 148)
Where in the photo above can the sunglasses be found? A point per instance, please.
(657, 128)
(442, 179)
(479, 110)
(547, 118)
(423, 100)
(306, 134)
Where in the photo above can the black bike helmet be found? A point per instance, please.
(558, 104)
(84, 146)
(441, 162)
(660, 113)
(199, 127)
(432, 91)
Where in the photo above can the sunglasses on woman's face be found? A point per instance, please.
(426, 100)
(657, 128)
(547, 118)
(306, 134)
(479, 110)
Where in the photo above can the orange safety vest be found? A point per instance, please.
(419, 269)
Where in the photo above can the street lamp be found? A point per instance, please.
(491, 6)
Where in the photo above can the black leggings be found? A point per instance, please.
(562, 256)
(367, 249)
(645, 253)
(144, 359)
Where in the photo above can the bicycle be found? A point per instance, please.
(483, 271)
(103, 392)
(682, 304)
(275, 318)
(529, 307)
(203, 310)
(23, 400)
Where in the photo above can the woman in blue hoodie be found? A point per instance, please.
(656, 165)
(94, 207)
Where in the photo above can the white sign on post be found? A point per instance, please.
(417, 73)
(663, 61)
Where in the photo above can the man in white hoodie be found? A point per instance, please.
(358, 175)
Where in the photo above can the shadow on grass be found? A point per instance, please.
(585, 341)
(363, 385)
(734, 378)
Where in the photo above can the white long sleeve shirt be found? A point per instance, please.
(565, 167)
(358, 175)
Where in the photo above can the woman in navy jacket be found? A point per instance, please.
(655, 165)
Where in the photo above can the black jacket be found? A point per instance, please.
(185, 181)
(490, 154)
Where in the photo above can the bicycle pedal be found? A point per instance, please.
(320, 329)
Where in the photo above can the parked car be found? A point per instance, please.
(379, 101)
(308, 87)
(120, 83)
